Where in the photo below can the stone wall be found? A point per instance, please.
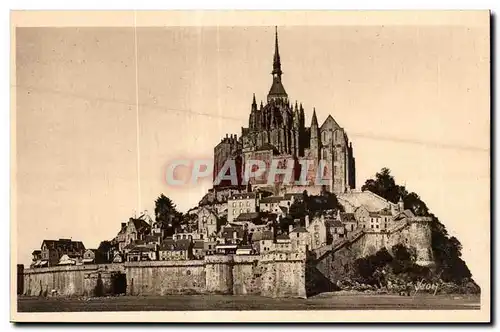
(69, 280)
(415, 234)
(283, 274)
(247, 275)
(165, 277)
(273, 275)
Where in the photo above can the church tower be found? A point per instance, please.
(277, 90)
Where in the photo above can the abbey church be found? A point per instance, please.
(277, 131)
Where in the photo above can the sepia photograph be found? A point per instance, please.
(250, 166)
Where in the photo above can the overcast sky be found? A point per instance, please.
(414, 99)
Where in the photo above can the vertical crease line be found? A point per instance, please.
(137, 117)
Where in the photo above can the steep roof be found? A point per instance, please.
(227, 232)
(151, 238)
(141, 226)
(283, 237)
(140, 249)
(247, 216)
(171, 245)
(299, 230)
(64, 245)
(347, 217)
(263, 235)
(331, 222)
(277, 89)
(271, 199)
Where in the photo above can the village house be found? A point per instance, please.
(362, 215)
(318, 232)
(264, 240)
(241, 203)
(336, 229)
(89, 256)
(300, 237)
(349, 221)
(209, 245)
(141, 253)
(207, 221)
(283, 242)
(134, 229)
(198, 249)
(53, 250)
(176, 250)
(152, 240)
(271, 204)
(376, 224)
(233, 234)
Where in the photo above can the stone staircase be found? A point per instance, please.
(319, 253)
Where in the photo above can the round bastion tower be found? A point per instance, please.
(421, 236)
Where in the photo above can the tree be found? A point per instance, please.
(167, 214)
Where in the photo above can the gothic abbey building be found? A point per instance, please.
(276, 131)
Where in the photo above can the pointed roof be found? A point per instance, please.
(277, 90)
(330, 122)
(254, 103)
(276, 61)
(314, 121)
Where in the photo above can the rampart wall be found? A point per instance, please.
(415, 234)
(80, 280)
(280, 275)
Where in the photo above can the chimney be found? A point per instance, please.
(124, 224)
(307, 221)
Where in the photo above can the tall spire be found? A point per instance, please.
(277, 91)
(314, 121)
(254, 103)
(277, 62)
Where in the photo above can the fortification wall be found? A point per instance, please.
(165, 277)
(416, 234)
(219, 274)
(283, 274)
(247, 275)
(273, 275)
(69, 280)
